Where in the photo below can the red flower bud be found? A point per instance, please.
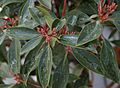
(104, 10)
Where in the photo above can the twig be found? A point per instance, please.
(110, 85)
(33, 84)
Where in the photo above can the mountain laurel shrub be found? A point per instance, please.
(42, 38)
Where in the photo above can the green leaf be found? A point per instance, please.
(106, 65)
(116, 42)
(53, 42)
(45, 66)
(78, 69)
(22, 33)
(57, 56)
(116, 20)
(83, 82)
(113, 32)
(108, 60)
(51, 81)
(72, 78)
(32, 60)
(76, 17)
(85, 4)
(49, 21)
(46, 3)
(118, 3)
(72, 20)
(5, 12)
(61, 74)
(44, 11)
(31, 44)
(25, 16)
(87, 59)
(70, 40)
(20, 86)
(91, 46)
(3, 52)
(91, 32)
(1, 21)
(3, 3)
(59, 24)
(48, 17)
(6, 86)
(36, 16)
(97, 1)
(4, 70)
(117, 24)
(1, 82)
(2, 37)
(30, 23)
(14, 56)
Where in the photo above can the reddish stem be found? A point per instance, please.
(64, 8)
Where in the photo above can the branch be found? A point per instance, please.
(35, 85)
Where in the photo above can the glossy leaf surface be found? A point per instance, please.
(45, 66)
(14, 56)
